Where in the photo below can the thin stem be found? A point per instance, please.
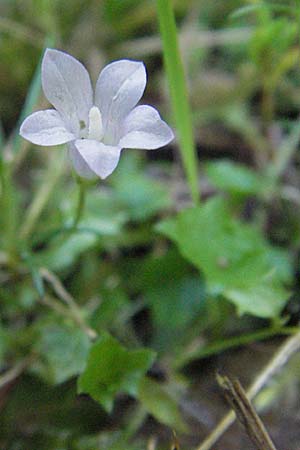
(178, 92)
(63, 311)
(237, 399)
(42, 196)
(67, 298)
(281, 357)
(56, 306)
(71, 310)
(229, 343)
(15, 371)
(80, 204)
(267, 106)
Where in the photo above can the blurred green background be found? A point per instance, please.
(203, 286)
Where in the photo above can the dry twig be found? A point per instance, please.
(281, 357)
(67, 298)
(245, 412)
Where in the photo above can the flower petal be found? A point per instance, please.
(45, 128)
(101, 159)
(67, 86)
(79, 163)
(143, 128)
(119, 87)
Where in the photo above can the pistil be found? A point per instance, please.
(95, 124)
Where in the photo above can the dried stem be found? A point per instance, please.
(285, 352)
(14, 372)
(245, 412)
(67, 298)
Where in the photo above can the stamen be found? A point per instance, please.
(95, 124)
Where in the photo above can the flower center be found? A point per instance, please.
(95, 124)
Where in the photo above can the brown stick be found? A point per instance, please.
(280, 358)
(246, 414)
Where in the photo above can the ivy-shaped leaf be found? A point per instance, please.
(62, 351)
(235, 178)
(235, 258)
(111, 368)
(158, 402)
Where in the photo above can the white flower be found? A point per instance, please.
(98, 127)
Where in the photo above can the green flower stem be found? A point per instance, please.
(178, 92)
(81, 202)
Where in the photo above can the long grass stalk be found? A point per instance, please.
(178, 93)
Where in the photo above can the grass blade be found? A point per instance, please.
(31, 99)
(178, 92)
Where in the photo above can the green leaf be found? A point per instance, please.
(62, 351)
(103, 212)
(235, 258)
(175, 297)
(139, 195)
(266, 299)
(158, 402)
(235, 178)
(111, 368)
(64, 251)
(114, 302)
(101, 225)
